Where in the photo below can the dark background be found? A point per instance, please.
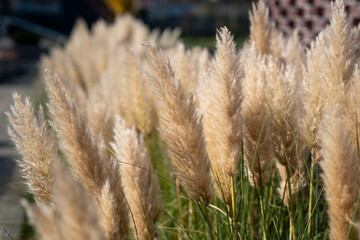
(196, 18)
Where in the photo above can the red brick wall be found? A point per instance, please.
(309, 16)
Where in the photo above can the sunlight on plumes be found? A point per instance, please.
(140, 130)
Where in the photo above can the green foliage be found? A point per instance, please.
(259, 213)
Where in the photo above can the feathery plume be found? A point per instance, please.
(260, 28)
(257, 138)
(108, 206)
(330, 65)
(312, 101)
(141, 184)
(277, 41)
(281, 99)
(169, 38)
(353, 91)
(114, 210)
(199, 61)
(86, 153)
(220, 102)
(182, 128)
(44, 219)
(78, 220)
(182, 66)
(37, 145)
(339, 58)
(293, 54)
(77, 141)
(136, 94)
(75, 217)
(98, 115)
(189, 64)
(340, 166)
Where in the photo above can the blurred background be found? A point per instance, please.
(29, 27)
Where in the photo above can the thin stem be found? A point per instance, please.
(191, 212)
(231, 222)
(233, 207)
(291, 222)
(181, 220)
(291, 230)
(262, 216)
(205, 214)
(313, 158)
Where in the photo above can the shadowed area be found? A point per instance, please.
(7, 167)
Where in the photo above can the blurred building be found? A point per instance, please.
(194, 17)
(198, 18)
(308, 16)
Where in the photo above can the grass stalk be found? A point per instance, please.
(311, 192)
(181, 220)
(191, 213)
(291, 229)
(205, 214)
(233, 208)
(263, 218)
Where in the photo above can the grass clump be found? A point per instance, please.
(164, 142)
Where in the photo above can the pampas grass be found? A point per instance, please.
(272, 128)
(341, 174)
(182, 129)
(256, 127)
(87, 154)
(260, 29)
(75, 217)
(37, 145)
(288, 149)
(136, 96)
(223, 141)
(43, 217)
(141, 184)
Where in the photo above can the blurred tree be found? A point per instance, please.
(119, 6)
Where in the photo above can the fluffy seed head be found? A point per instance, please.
(220, 102)
(182, 128)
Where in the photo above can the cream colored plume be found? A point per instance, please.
(43, 217)
(75, 217)
(330, 65)
(341, 177)
(260, 28)
(220, 103)
(293, 53)
(99, 117)
(76, 140)
(281, 96)
(37, 145)
(256, 124)
(87, 154)
(353, 94)
(136, 94)
(181, 128)
(312, 101)
(141, 184)
(339, 58)
(188, 64)
(86, 55)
